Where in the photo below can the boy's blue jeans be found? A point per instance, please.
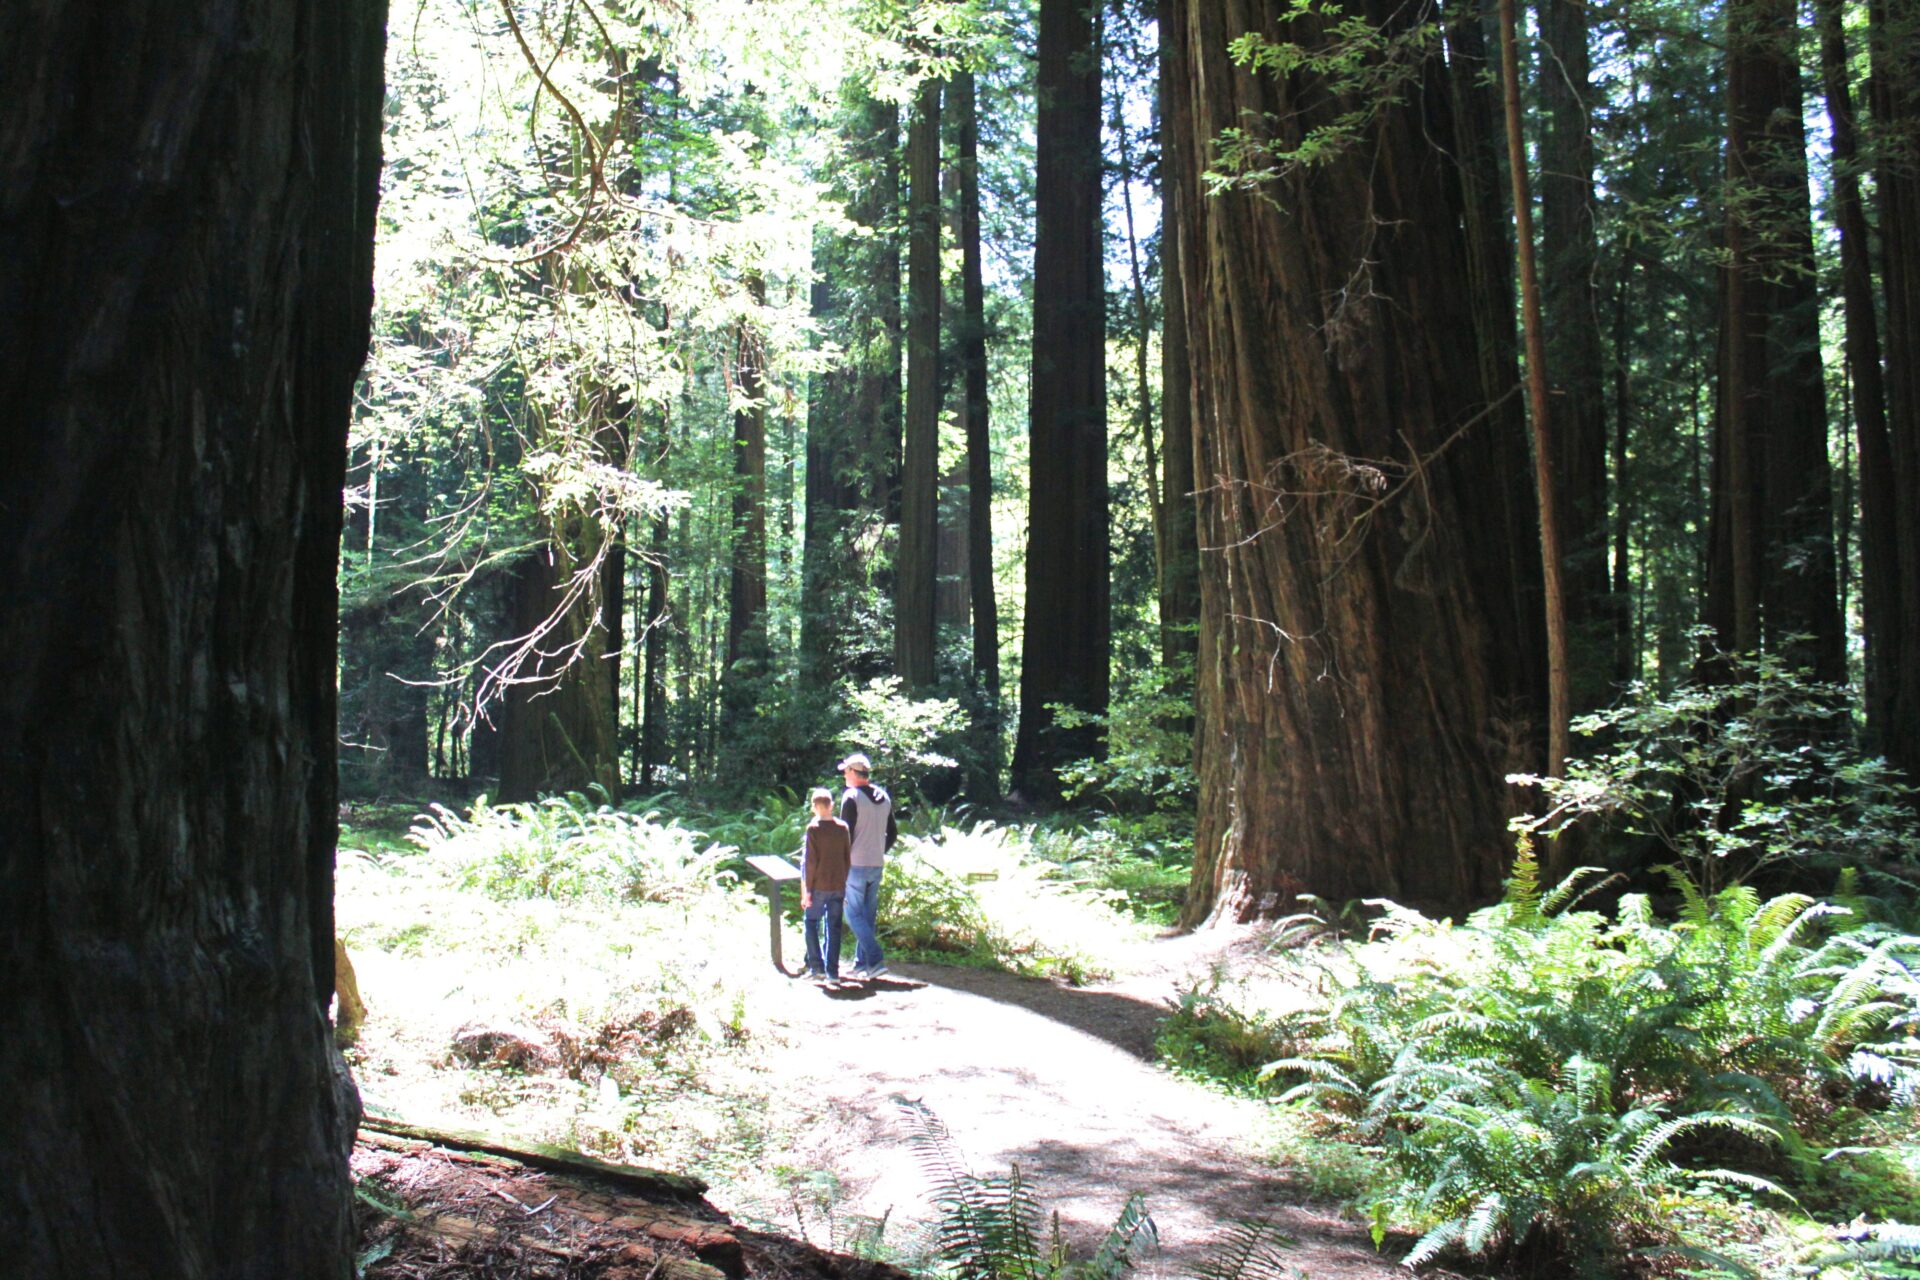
(827, 908)
(863, 911)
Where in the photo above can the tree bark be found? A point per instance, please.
(1570, 310)
(1179, 560)
(917, 564)
(1895, 46)
(558, 714)
(1067, 641)
(1367, 673)
(187, 203)
(1774, 506)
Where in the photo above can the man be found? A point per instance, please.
(868, 812)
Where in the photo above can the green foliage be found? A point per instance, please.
(563, 848)
(1732, 777)
(1350, 70)
(901, 733)
(1147, 739)
(1544, 1077)
(991, 1226)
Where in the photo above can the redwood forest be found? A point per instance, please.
(960, 639)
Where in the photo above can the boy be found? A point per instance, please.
(826, 850)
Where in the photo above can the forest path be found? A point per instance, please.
(1059, 1080)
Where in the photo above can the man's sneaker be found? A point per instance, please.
(817, 975)
(876, 971)
(859, 975)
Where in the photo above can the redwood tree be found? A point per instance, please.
(187, 200)
(1067, 641)
(1368, 660)
(916, 567)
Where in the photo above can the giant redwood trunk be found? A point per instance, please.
(186, 199)
(1772, 579)
(1068, 636)
(1368, 673)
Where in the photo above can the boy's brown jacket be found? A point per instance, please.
(826, 851)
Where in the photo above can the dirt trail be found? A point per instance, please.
(1060, 1081)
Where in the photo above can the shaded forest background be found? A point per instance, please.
(1127, 403)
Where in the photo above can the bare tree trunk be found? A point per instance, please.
(1777, 504)
(746, 652)
(187, 203)
(916, 566)
(1067, 643)
(1179, 560)
(1570, 313)
(973, 356)
(1895, 44)
(1367, 677)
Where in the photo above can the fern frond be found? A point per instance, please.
(1694, 908)
(1655, 1142)
(1115, 1254)
(1580, 884)
(1249, 1250)
(1429, 1246)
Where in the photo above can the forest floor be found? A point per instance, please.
(1061, 1082)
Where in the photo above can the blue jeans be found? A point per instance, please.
(863, 910)
(825, 910)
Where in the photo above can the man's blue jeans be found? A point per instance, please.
(825, 909)
(863, 911)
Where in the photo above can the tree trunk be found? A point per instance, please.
(188, 208)
(1179, 560)
(558, 715)
(1066, 644)
(746, 658)
(1570, 310)
(916, 566)
(659, 621)
(973, 358)
(1778, 583)
(1368, 669)
(1895, 42)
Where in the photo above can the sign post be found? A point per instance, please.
(777, 871)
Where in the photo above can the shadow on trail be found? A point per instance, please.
(1126, 1022)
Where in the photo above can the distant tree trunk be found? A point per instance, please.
(1895, 44)
(973, 359)
(659, 622)
(1570, 310)
(1367, 677)
(1626, 637)
(1067, 639)
(1179, 560)
(1774, 500)
(746, 655)
(916, 566)
(557, 719)
(187, 204)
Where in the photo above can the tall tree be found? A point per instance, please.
(853, 411)
(1179, 548)
(1569, 305)
(747, 648)
(1895, 44)
(1772, 578)
(916, 567)
(188, 206)
(973, 360)
(1367, 672)
(1066, 645)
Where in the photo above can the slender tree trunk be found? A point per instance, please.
(917, 565)
(1895, 46)
(1626, 641)
(1570, 314)
(973, 357)
(1559, 667)
(1142, 332)
(187, 204)
(1777, 503)
(1179, 559)
(659, 623)
(1366, 675)
(1067, 641)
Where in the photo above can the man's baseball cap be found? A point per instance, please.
(857, 761)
